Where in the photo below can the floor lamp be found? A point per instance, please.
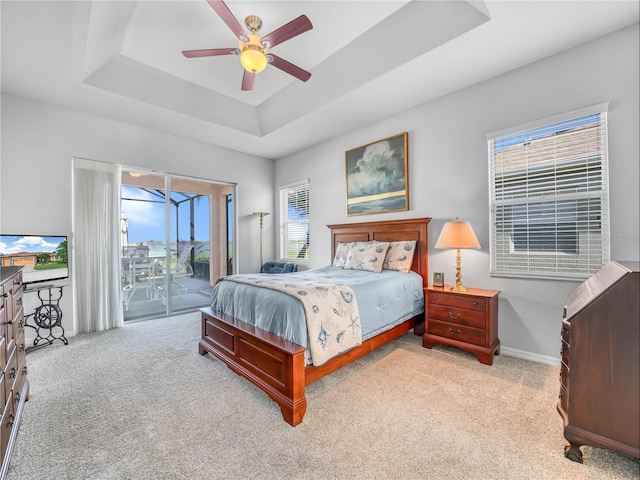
(457, 234)
(261, 215)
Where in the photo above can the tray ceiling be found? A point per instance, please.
(368, 59)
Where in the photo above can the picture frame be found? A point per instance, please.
(377, 176)
(438, 279)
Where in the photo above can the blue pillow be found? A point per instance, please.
(279, 267)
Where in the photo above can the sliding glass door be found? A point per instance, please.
(175, 245)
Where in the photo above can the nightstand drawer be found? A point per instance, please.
(456, 332)
(460, 301)
(461, 316)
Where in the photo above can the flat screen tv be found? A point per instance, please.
(44, 258)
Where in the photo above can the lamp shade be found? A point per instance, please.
(457, 234)
(253, 57)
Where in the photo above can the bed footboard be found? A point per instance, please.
(273, 364)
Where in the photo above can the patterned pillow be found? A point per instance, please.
(367, 256)
(342, 250)
(400, 256)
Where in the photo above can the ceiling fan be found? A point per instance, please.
(252, 48)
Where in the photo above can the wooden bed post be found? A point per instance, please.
(271, 363)
(294, 405)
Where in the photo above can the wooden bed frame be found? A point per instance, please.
(275, 365)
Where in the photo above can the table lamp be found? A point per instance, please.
(457, 234)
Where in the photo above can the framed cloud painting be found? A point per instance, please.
(377, 177)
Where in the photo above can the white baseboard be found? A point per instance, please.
(533, 357)
(512, 352)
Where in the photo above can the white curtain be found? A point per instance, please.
(96, 246)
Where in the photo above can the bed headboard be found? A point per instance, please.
(388, 231)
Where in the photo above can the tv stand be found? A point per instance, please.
(47, 317)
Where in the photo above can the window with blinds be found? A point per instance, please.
(549, 198)
(294, 221)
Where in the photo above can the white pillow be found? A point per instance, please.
(367, 256)
(400, 256)
(342, 250)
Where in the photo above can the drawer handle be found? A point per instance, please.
(457, 316)
(434, 298)
(454, 332)
(13, 372)
(11, 422)
(5, 295)
(20, 301)
(24, 370)
(17, 397)
(475, 304)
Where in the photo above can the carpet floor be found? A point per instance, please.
(139, 402)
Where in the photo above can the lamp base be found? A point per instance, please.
(458, 288)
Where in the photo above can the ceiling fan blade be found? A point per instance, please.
(290, 68)
(227, 17)
(292, 29)
(247, 80)
(209, 52)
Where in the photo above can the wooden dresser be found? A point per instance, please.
(14, 385)
(600, 362)
(467, 320)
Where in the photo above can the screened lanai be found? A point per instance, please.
(176, 242)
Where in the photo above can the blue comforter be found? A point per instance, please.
(385, 299)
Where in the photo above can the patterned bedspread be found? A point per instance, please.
(331, 311)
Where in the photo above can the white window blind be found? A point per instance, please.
(549, 199)
(294, 221)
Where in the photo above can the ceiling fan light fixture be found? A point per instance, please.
(253, 61)
(252, 49)
(253, 57)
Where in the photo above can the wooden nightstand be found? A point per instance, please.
(467, 320)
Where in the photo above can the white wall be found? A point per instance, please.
(39, 141)
(448, 171)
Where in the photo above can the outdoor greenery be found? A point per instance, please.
(50, 265)
(61, 259)
(62, 253)
(298, 249)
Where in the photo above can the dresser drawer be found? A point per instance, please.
(564, 353)
(564, 398)
(564, 375)
(17, 297)
(461, 316)
(19, 384)
(21, 348)
(10, 375)
(5, 425)
(3, 354)
(461, 301)
(456, 331)
(565, 334)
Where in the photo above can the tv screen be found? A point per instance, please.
(43, 258)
